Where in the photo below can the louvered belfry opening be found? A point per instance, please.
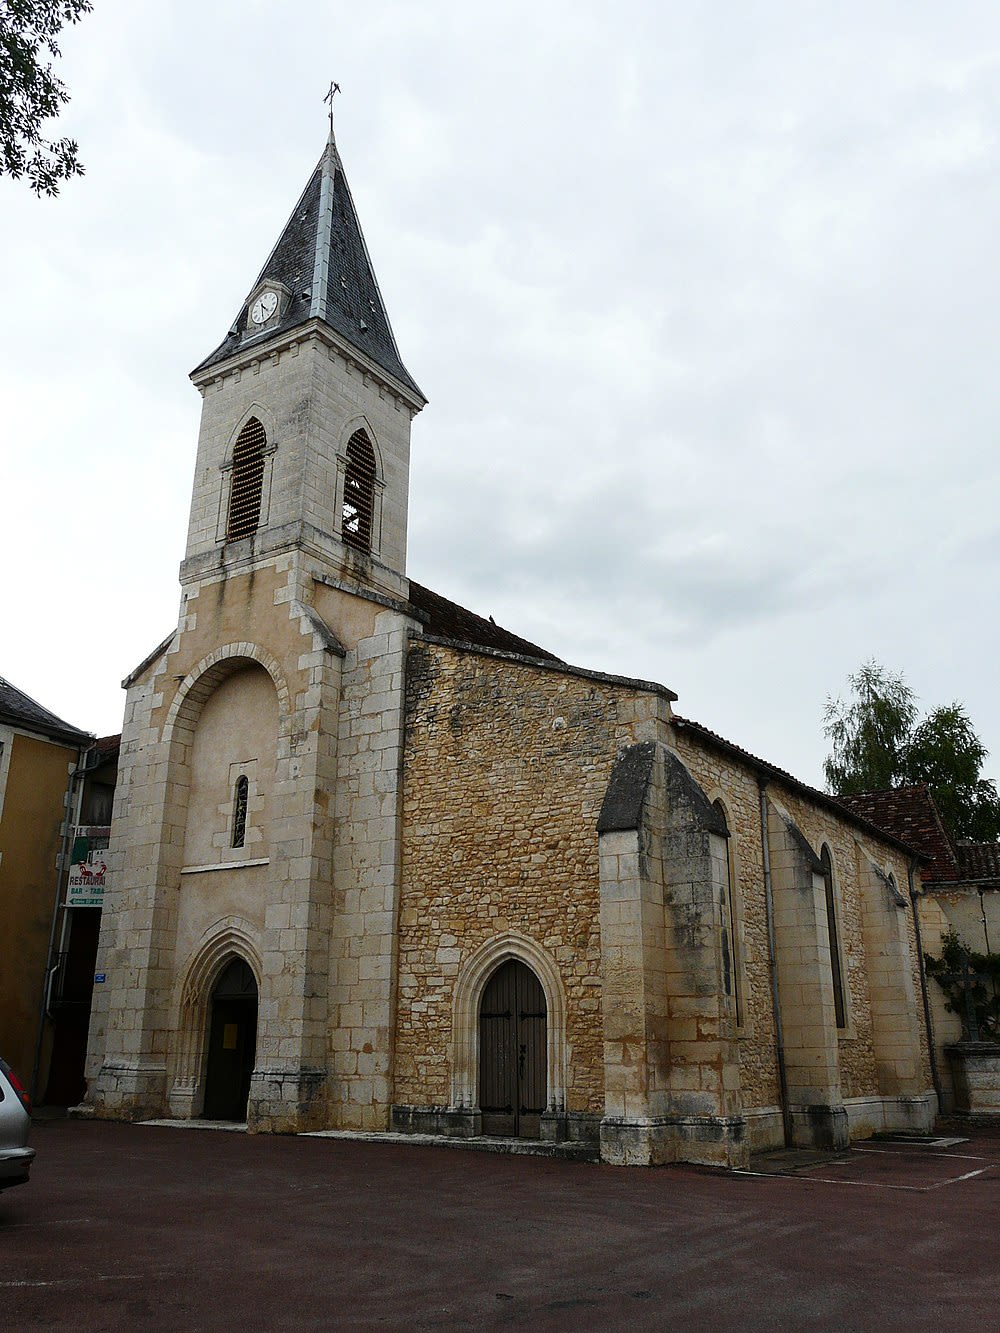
(359, 492)
(247, 481)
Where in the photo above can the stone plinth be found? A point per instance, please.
(975, 1070)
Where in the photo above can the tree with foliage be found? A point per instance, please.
(983, 984)
(878, 743)
(30, 93)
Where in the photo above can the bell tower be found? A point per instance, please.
(257, 823)
(305, 434)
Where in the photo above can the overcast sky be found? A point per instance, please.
(703, 295)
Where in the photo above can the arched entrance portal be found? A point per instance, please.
(512, 1044)
(232, 1043)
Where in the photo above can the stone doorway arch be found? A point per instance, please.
(513, 1031)
(231, 939)
(232, 1043)
(469, 992)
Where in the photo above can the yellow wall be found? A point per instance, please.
(30, 843)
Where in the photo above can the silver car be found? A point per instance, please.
(15, 1122)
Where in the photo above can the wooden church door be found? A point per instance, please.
(512, 1052)
(232, 1044)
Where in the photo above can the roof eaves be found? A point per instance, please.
(771, 771)
(158, 651)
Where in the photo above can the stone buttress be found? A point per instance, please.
(670, 1062)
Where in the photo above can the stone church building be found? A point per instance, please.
(378, 863)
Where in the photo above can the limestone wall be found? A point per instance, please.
(852, 852)
(505, 768)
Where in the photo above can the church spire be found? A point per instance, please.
(319, 269)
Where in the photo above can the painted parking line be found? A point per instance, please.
(882, 1185)
(960, 1156)
(909, 1159)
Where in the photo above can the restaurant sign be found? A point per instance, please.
(88, 868)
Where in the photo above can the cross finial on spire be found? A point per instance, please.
(334, 89)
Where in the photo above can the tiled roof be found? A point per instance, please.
(105, 748)
(20, 709)
(768, 770)
(978, 860)
(448, 620)
(322, 259)
(910, 813)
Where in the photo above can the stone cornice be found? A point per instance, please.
(315, 330)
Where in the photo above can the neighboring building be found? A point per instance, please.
(40, 755)
(377, 861)
(959, 890)
(74, 954)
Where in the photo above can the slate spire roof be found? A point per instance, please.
(322, 261)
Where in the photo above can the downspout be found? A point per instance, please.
(779, 1035)
(932, 1057)
(52, 957)
(982, 913)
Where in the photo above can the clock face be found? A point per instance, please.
(264, 307)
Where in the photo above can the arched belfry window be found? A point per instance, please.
(831, 924)
(240, 802)
(359, 493)
(246, 482)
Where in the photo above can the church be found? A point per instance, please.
(377, 863)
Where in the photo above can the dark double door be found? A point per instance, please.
(232, 1044)
(512, 1052)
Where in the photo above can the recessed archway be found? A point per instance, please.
(513, 1031)
(232, 1042)
(469, 992)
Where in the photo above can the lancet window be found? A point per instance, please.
(731, 977)
(241, 798)
(831, 925)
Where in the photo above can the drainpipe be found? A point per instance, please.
(935, 1078)
(52, 956)
(779, 1036)
(982, 913)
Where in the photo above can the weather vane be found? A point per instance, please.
(334, 89)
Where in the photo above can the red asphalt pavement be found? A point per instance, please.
(131, 1227)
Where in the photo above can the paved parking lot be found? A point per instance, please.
(132, 1227)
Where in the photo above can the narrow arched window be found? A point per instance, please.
(241, 798)
(359, 493)
(731, 977)
(247, 479)
(831, 925)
